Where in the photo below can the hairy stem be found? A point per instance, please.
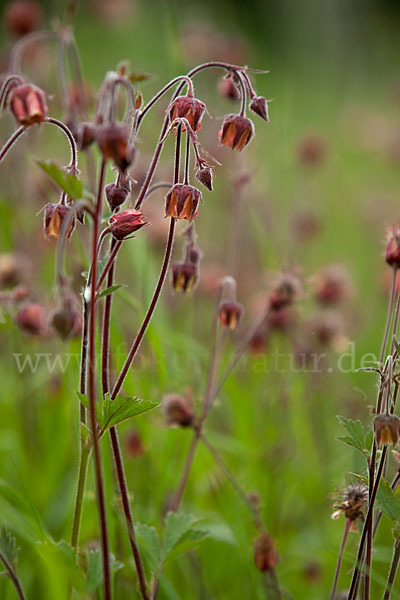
(13, 576)
(11, 141)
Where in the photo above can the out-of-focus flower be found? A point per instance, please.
(285, 291)
(387, 429)
(184, 276)
(227, 88)
(66, 320)
(113, 141)
(265, 554)
(133, 444)
(31, 319)
(312, 150)
(22, 16)
(59, 220)
(393, 246)
(230, 314)
(178, 410)
(332, 285)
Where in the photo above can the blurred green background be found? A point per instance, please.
(329, 159)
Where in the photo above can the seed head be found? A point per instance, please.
(186, 107)
(387, 429)
(59, 220)
(28, 104)
(236, 132)
(352, 503)
(125, 223)
(265, 555)
(182, 201)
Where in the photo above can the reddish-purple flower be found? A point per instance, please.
(184, 276)
(230, 314)
(186, 107)
(236, 132)
(259, 106)
(28, 104)
(113, 141)
(125, 223)
(59, 220)
(393, 246)
(182, 201)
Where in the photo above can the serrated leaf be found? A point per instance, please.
(123, 408)
(356, 437)
(94, 576)
(149, 538)
(187, 542)
(176, 526)
(111, 290)
(8, 546)
(85, 401)
(69, 183)
(389, 501)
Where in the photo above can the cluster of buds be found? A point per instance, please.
(28, 104)
(386, 429)
(182, 201)
(230, 311)
(332, 285)
(66, 320)
(59, 220)
(125, 223)
(113, 140)
(236, 132)
(285, 291)
(352, 504)
(189, 108)
(393, 246)
(178, 410)
(265, 554)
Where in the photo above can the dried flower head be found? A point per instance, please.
(352, 503)
(28, 104)
(265, 554)
(189, 108)
(393, 246)
(182, 201)
(59, 220)
(236, 132)
(113, 141)
(387, 429)
(178, 410)
(125, 223)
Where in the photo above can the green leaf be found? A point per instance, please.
(356, 438)
(150, 540)
(8, 546)
(188, 541)
(111, 290)
(122, 408)
(389, 501)
(95, 570)
(176, 526)
(69, 183)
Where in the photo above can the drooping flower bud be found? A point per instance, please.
(31, 319)
(85, 135)
(116, 195)
(184, 276)
(186, 107)
(28, 104)
(113, 141)
(227, 88)
(59, 220)
(182, 201)
(22, 16)
(125, 223)
(66, 320)
(236, 132)
(259, 105)
(387, 429)
(265, 555)
(230, 314)
(178, 410)
(205, 176)
(393, 246)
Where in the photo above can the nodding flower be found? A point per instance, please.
(184, 276)
(393, 246)
(230, 314)
(59, 220)
(31, 319)
(187, 107)
(265, 554)
(259, 105)
(113, 141)
(126, 222)
(387, 429)
(28, 104)
(182, 201)
(236, 132)
(285, 291)
(116, 194)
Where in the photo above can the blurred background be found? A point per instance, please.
(314, 192)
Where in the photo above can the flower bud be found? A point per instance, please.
(31, 319)
(59, 220)
(265, 555)
(259, 106)
(185, 107)
(22, 16)
(227, 88)
(236, 132)
(230, 314)
(85, 135)
(178, 410)
(113, 141)
(28, 104)
(116, 195)
(124, 223)
(387, 429)
(182, 201)
(205, 176)
(184, 276)
(393, 247)
(67, 319)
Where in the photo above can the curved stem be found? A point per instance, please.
(13, 576)
(74, 152)
(11, 141)
(339, 561)
(92, 393)
(20, 47)
(159, 94)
